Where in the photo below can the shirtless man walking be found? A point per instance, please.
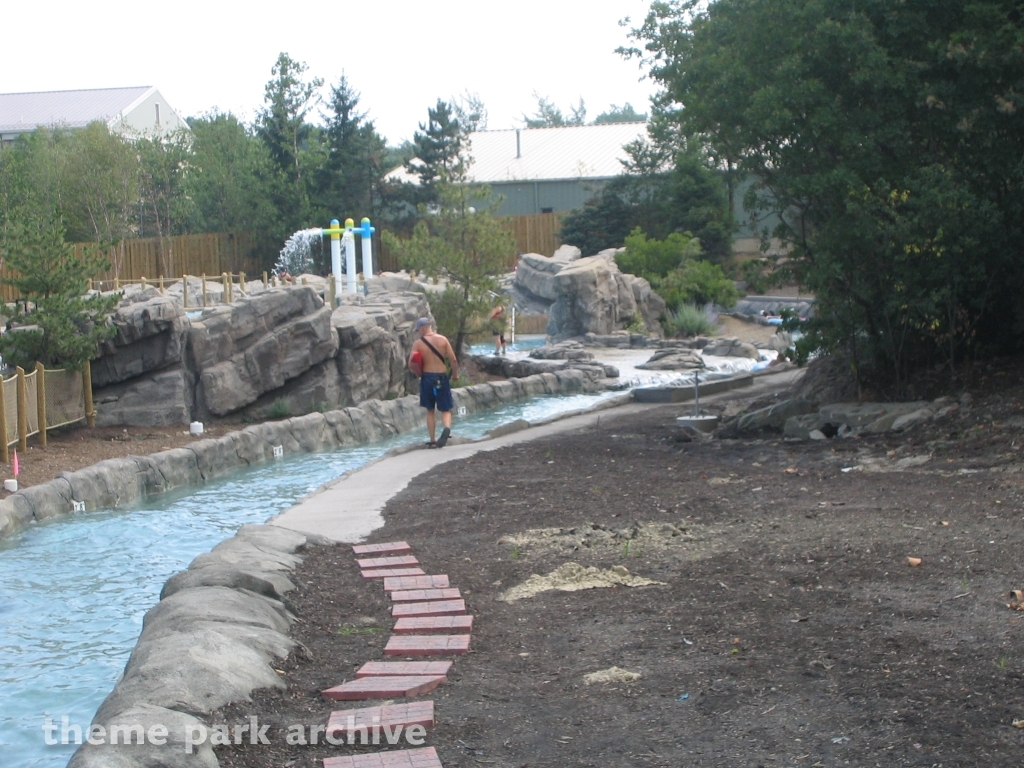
(435, 388)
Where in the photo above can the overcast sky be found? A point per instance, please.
(401, 55)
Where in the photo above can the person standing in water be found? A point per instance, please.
(498, 323)
(433, 354)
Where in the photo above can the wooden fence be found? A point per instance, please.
(537, 233)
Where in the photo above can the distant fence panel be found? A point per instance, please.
(531, 324)
(10, 411)
(537, 233)
(65, 398)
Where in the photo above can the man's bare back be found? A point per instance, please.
(431, 362)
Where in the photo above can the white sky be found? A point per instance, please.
(401, 55)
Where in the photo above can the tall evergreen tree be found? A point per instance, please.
(283, 128)
(439, 143)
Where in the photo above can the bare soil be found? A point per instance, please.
(789, 629)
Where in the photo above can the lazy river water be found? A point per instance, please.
(73, 591)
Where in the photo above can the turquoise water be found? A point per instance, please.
(73, 591)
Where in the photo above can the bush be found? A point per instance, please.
(656, 258)
(699, 282)
(279, 409)
(688, 320)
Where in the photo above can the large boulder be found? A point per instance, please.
(593, 296)
(151, 334)
(535, 275)
(673, 360)
(732, 347)
(775, 416)
(155, 399)
(253, 346)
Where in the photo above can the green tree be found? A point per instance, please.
(624, 114)
(283, 128)
(887, 137)
(467, 247)
(53, 322)
(440, 146)
(348, 181)
(230, 178)
(550, 116)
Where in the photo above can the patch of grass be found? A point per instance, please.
(350, 629)
(515, 554)
(688, 320)
(279, 409)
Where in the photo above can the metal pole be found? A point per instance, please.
(348, 240)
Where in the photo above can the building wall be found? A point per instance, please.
(527, 198)
(142, 118)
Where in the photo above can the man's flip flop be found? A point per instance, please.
(431, 444)
(442, 441)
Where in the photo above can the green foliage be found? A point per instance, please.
(279, 409)
(656, 258)
(469, 248)
(623, 114)
(697, 282)
(887, 139)
(662, 191)
(688, 320)
(283, 128)
(439, 144)
(53, 322)
(550, 116)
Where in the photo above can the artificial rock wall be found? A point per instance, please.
(280, 348)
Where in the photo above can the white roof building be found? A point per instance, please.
(545, 170)
(138, 111)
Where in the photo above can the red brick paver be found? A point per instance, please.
(426, 645)
(412, 625)
(415, 582)
(387, 548)
(430, 608)
(383, 573)
(387, 562)
(384, 687)
(424, 595)
(404, 758)
(398, 668)
(391, 715)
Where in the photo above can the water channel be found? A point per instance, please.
(73, 591)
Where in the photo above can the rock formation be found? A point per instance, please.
(166, 365)
(588, 295)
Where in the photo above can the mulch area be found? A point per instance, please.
(789, 628)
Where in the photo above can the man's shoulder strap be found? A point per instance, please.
(441, 357)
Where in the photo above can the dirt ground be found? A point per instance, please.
(788, 627)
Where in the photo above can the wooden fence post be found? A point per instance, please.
(225, 293)
(241, 282)
(41, 402)
(117, 283)
(90, 414)
(5, 451)
(265, 286)
(204, 290)
(184, 291)
(142, 283)
(161, 285)
(22, 411)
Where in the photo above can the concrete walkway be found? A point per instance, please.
(349, 508)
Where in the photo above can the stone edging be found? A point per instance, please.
(117, 482)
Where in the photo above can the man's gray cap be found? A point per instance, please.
(421, 322)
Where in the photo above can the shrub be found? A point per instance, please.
(688, 320)
(698, 282)
(279, 409)
(656, 258)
